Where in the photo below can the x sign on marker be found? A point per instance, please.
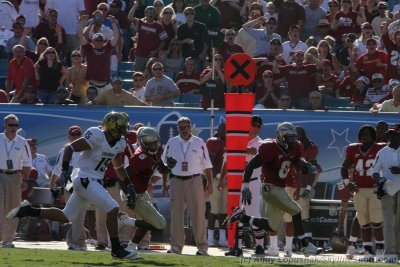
(240, 69)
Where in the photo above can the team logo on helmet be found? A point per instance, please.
(286, 134)
(148, 140)
(116, 124)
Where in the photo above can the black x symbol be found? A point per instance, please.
(240, 69)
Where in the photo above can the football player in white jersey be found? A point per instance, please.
(98, 147)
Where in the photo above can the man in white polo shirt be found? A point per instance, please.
(386, 170)
(186, 185)
(15, 167)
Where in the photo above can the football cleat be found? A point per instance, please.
(310, 249)
(287, 252)
(271, 251)
(351, 250)
(125, 254)
(234, 217)
(20, 211)
(236, 252)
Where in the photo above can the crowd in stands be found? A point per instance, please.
(162, 52)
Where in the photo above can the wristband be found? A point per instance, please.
(346, 181)
(218, 176)
(245, 185)
(308, 187)
(65, 165)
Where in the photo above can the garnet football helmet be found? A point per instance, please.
(286, 134)
(148, 140)
(116, 124)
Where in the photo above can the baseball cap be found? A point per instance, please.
(333, 2)
(393, 82)
(351, 36)
(117, 79)
(266, 74)
(323, 22)
(62, 89)
(377, 76)
(298, 53)
(275, 41)
(363, 79)
(256, 120)
(98, 36)
(271, 20)
(75, 129)
(32, 141)
(394, 128)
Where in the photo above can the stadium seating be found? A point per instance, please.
(191, 100)
(336, 102)
(126, 66)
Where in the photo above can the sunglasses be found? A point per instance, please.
(76, 134)
(377, 81)
(43, 44)
(257, 125)
(76, 56)
(138, 80)
(367, 27)
(157, 69)
(50, 53)
(167, 13)
(13, 125)
(218, 59)
(102, 9)
(113, 6)
(285, 99)
(184, 127)
(230, 34)
(189, 13)
(315, 97)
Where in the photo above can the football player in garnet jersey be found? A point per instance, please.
(143, 163)
(276, 156)
(369, 212)
(98, 148)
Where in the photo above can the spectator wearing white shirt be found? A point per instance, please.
(15, 167)
(41, 163)
(386, 170)
(30, 9)
(8, 14)
(139, 88)
(187, 189)
(294, 44)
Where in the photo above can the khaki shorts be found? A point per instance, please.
(368, 206)
(277, 202)
(219, 200)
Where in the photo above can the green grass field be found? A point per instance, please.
(59, 258)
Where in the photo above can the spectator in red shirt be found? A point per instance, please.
(346, 21)
(393, 50)
(374, 61)
(328, 80)
(20, 71)
(188, 81)
(50, 29)
(229, 47)
(359, 90)
(98, 53)
(298, 78)
(151, 37)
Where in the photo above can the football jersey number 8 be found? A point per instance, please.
(284, 170)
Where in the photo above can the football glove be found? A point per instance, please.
(65, 176)
(131, 195)
(246, 194)
(171, 162)
(380, 192)
(308, 168)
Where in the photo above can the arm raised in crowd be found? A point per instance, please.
(116, 36)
